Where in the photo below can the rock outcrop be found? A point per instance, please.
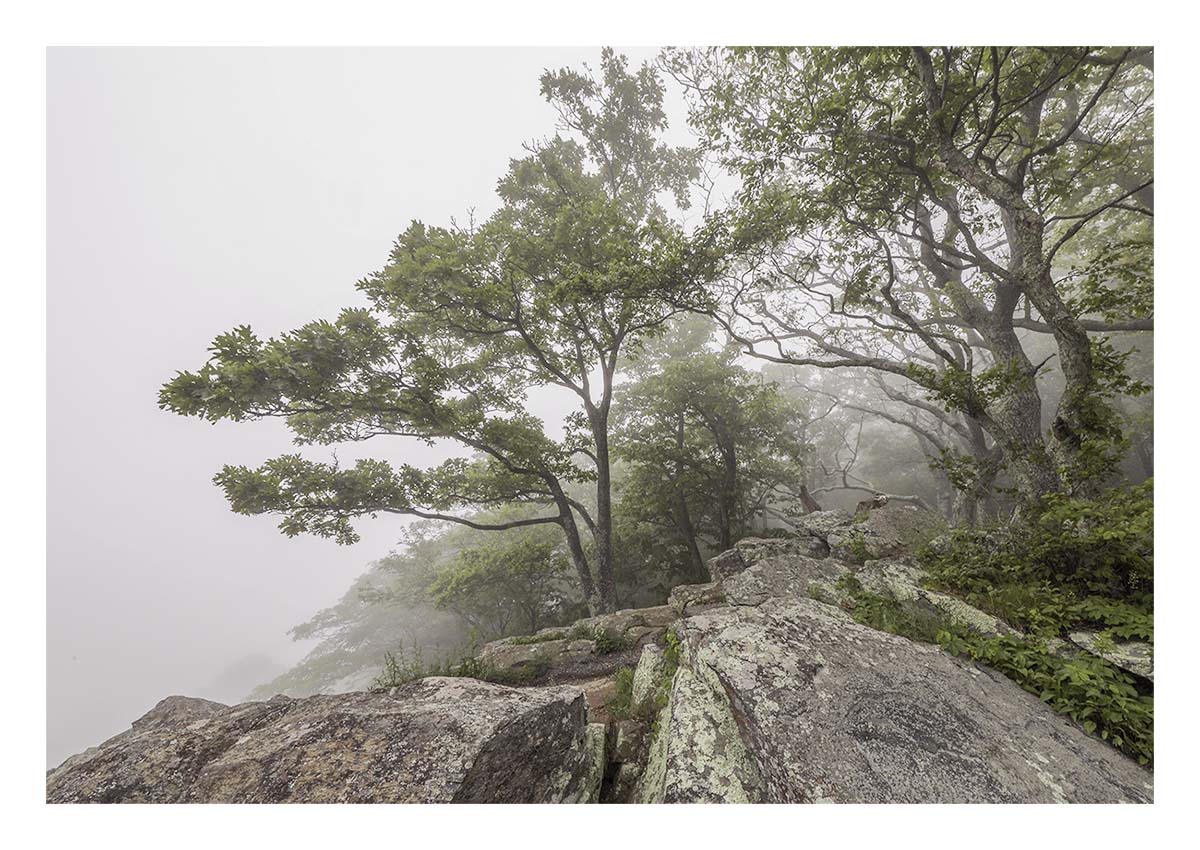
(792, 701)
(759, 686)
(435, 740)
(586, 649)
(1132, 656)
(883, 533)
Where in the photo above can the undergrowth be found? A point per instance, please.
(1070, 564)
(1093, 692)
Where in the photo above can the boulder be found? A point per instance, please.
(628, 741)
(598, 692)
(687, 599)
(783, 572)
(722, 566)
(883, 533)
(750, 549)
(434, 740)
(503, 656)
(647, 678)
(698, 755)
(820, 524)
(792, 701)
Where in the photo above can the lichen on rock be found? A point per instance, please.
(434, 740)
(826, 710)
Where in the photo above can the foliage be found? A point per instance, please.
(708, 446)
(886, 613)
(462, 323)
(672, 651)
(856, 545)
(404, 666)
(1088, 689)
(1121, 619)
(1070, 562)
(608, 641)
(620, 707)
(1064, 551)
(512, 584)
(650, 560)
(887, 193)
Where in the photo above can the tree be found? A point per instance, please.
(551, 290)
(511, 585)
(910, 211)
(710, 446)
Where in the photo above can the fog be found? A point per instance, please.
(189, 191)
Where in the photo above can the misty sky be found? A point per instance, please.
(189, 191)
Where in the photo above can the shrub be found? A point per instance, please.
(620, 706)
(1069, 562)
(608, 641)
(672, 651)
(1088, 547)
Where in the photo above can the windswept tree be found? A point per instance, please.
(552, 290)
(912, 211)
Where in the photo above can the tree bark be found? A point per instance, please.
(602, 533)
(575, 546)
(687, 528)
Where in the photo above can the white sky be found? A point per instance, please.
(189, 191)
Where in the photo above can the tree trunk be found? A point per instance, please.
(699, 572)
(1074, 419)
(605, 581)
(1014, 418)
(575, 546)
(809, 504)
(729, 498)
(687, 529)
